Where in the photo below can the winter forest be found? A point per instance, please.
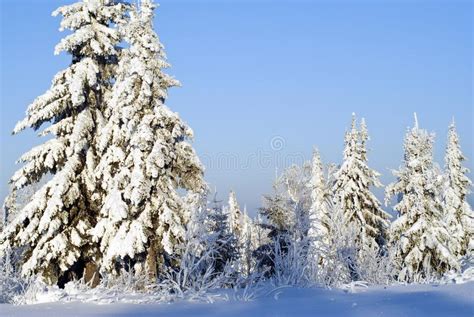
(113, 205)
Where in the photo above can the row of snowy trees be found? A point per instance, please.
(322, 224)
(435, 227)
(434, 230)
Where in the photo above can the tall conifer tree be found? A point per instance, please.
(352, 189)
(419, 234)
(458, 214)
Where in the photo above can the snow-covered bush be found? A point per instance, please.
(290, 262)
(13, 286)
(338, 265)
(286, 212)
(127, 287)
(200, 268)
(345, 260)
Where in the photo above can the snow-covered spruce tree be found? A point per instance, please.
(260, 230)
(319, 211)
(225, 243)
(286, 212)
(288, 207)
(276, 223)
(352, 189)
(344, 261)
(418, 234)
(239, 228)
(458, 215)
(145, 158)
(248, 242)
(274, 210)
(242, 227)
(195, 276)
(235, 215)
(52, 229)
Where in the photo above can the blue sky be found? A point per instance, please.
(287, 72)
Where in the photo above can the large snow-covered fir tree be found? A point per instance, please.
(419, 234)
(458, 215)
(145, 156)
(117, 155)
(53, 227)
(352, 189)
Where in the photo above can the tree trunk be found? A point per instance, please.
(151, 261)
(91, 274)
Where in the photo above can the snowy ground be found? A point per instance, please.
(415, 300)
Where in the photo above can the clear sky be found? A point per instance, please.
(265, 81)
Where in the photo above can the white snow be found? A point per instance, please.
(401, 300)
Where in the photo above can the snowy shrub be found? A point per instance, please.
(344, 259)
(13, 286)
(465, 275)
(37, 291)
(128, 287)
(290, 262)
(287, 225)
(337, 260)
(203, 265)
(376, 267)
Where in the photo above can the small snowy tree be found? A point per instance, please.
(293, 185)
(262, 233)
(352, 189)
(225, 243)
(235, 215)
(145, 157)
(248, 242)
(52, 228)
(274, 209)
(195, 275)
(260, 230)
(340, 252)
(418, 234)
(345, 260)
(319, 212)
(458, 215)
(287, 209)
(287, 212)
(241, 226)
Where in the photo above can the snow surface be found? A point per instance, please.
(401, 300)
